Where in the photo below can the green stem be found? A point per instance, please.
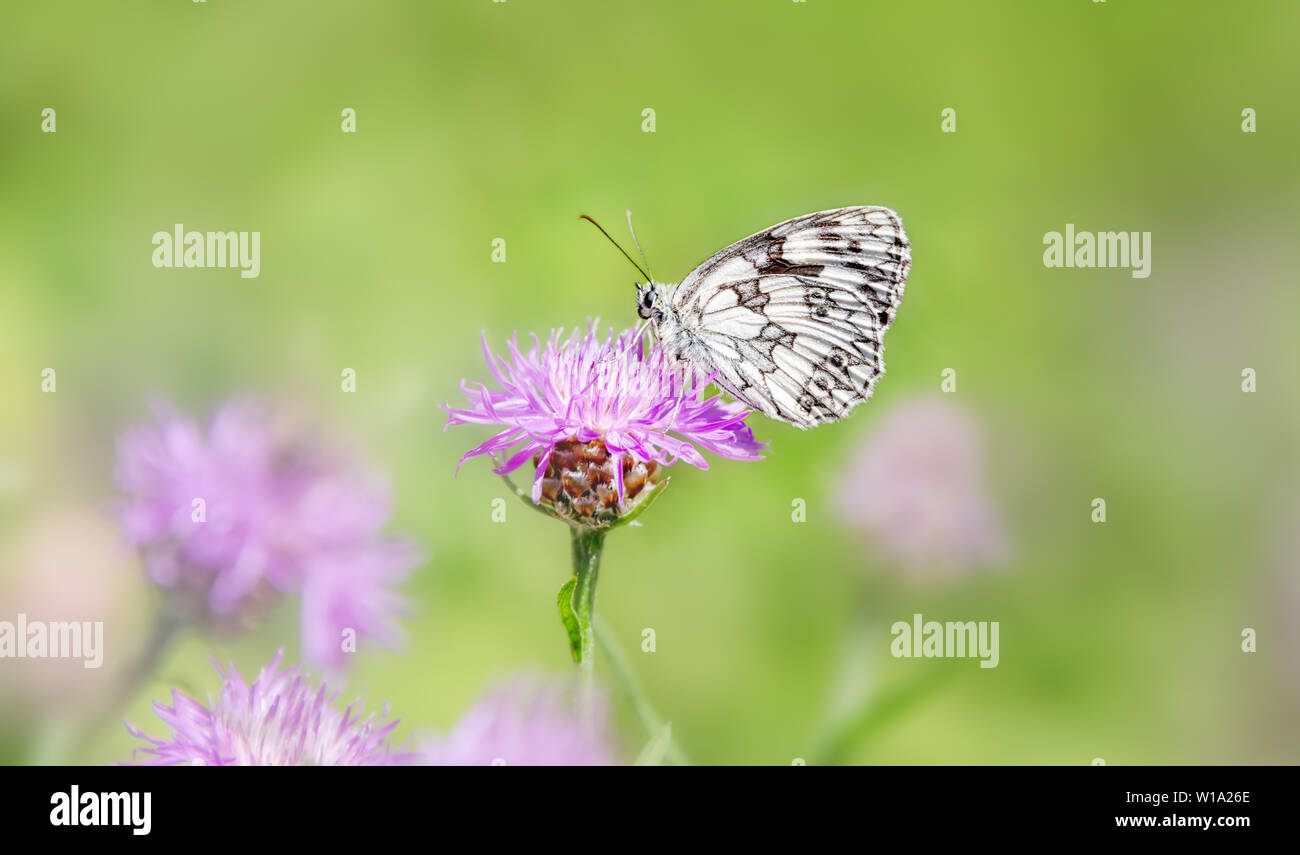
(875, 714)
(645, 711)
(587, 547)
(165, 629)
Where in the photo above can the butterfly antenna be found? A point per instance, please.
(640, 251)
(645, 275)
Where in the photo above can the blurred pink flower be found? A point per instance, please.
(915, 490)
(525, 722)
(281, 719)
(229, 518)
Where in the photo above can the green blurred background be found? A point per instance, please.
(478, 120)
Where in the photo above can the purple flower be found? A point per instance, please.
(229, 519)
(280, 720)
(598, 417)
(525, 722)
(915, 489)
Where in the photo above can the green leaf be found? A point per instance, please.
(655, 750)
(569, 618)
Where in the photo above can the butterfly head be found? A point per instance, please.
(648, 301)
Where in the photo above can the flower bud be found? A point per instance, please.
(580, 483)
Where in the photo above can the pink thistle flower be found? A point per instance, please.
(526, 722)
(915, 489)
(230, 518)
(598, 418)
(281, 719)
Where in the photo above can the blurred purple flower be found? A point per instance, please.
(279, 720)
(915, 489)
(638, 406)
(277, 515)
(525, 722)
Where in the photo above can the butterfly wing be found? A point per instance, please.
(793, 318)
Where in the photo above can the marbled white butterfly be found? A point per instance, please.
(791, 320)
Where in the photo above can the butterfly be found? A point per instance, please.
(791, 320)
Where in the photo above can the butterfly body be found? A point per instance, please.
(791, 320)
